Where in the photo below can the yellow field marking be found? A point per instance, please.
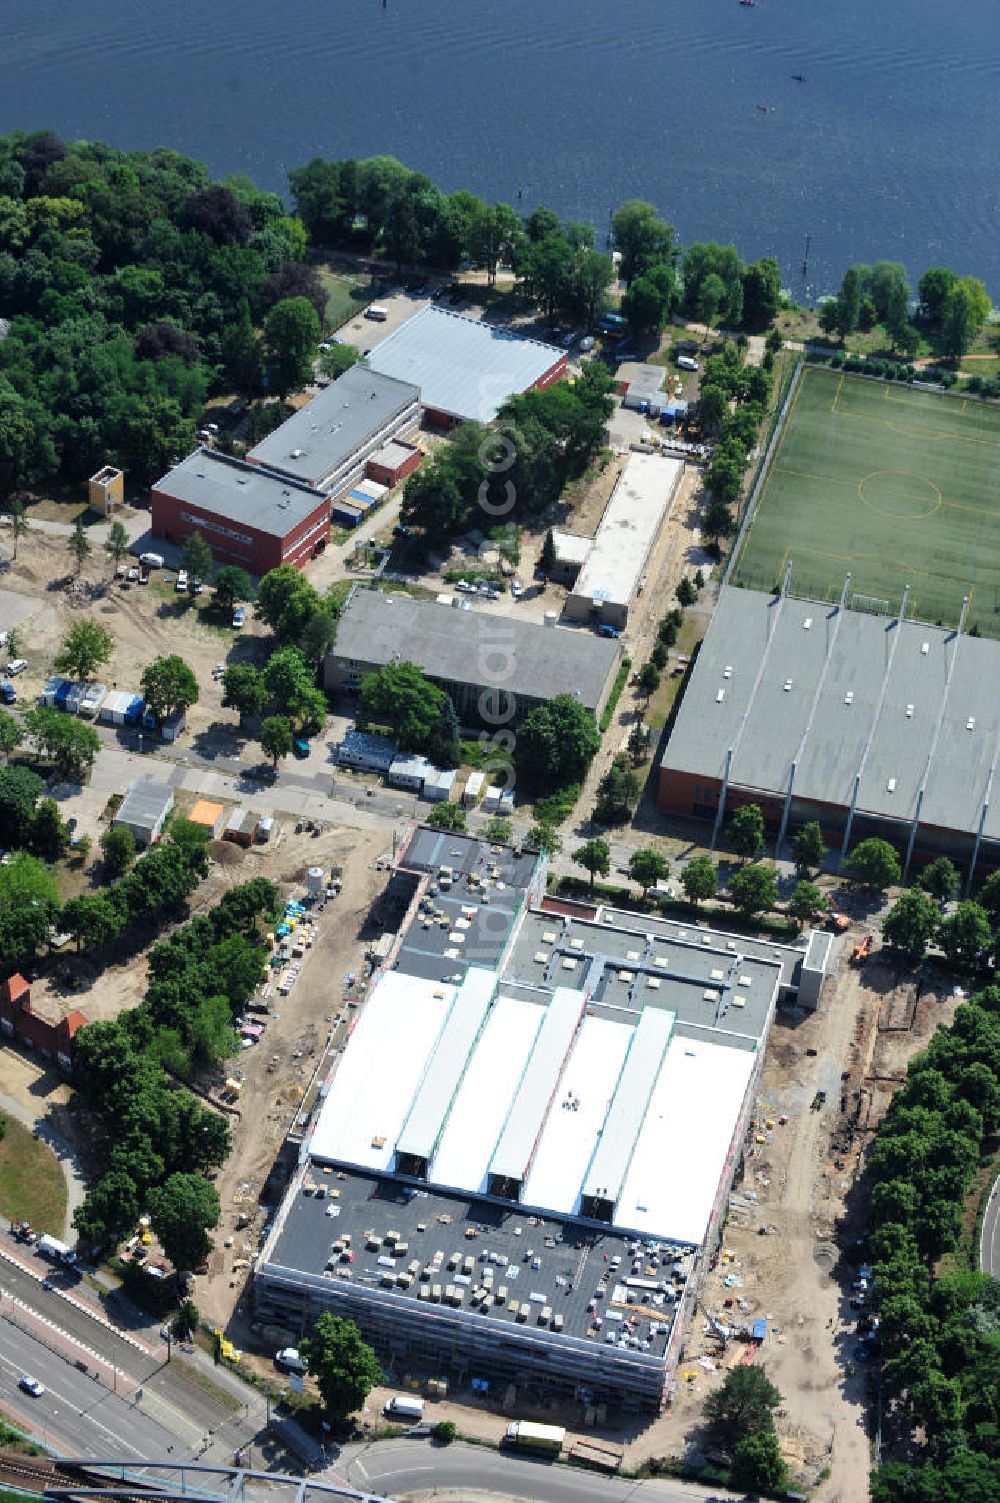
(924, 434)
(810, 475)
(774, 464)
(903, 516)
(836, 395)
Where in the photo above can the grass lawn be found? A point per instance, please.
(345, 294)
(32, 1187)
(896, 485)
(657, 713)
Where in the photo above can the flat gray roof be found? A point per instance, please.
(845, 695)
(475, 648)
(637, 375)
(463, 367)
(314, 441)
(144, 803)
(240, 492)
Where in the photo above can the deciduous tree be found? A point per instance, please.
(79, 544)
(197, 558)
(86, 647)
(647, 867)
(276, 738)
(699, 879)
(345, 1367)
(806, 903)
(911, 924)
(116, 544)
(754, 889)
(169, 686)
(745, 831)
(809, 847)
(874, 864)
(595, 857)
(182, 1211)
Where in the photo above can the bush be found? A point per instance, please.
(444, 1432)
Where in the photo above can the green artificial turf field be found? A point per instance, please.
(898, 486)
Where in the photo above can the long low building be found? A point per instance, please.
(612, 572)
(465, 368)
(872, 725)
(246, 515)
(495, 668)
(520, 1164)
(327, 443)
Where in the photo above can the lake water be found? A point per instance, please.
(888, 149)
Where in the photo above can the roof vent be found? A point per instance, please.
(296, 453)
(925, 648)
(807, 623)
(970, 724)
(909, 712)
(720, 696)
(849, 697)
(890, 787)
(727, 672)
(788, 685)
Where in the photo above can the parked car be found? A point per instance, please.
(154, 560)
(289, 1359)
(300, 747)
(587, 344)
(182, 581)
(17, 666)
(239, 616)
(197, 588)
(132, 575)
(30, 1385)
(7, 692)
(516, 588)
(604, 630)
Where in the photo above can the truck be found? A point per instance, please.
(524, 1435)
(56, 1251)
(404, 1406)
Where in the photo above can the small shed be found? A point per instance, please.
(209, 816)
(473, 788)
(144, 809)
(344, 514)
(394, 462)
(409, 773)
(366, 752)
(241, 826)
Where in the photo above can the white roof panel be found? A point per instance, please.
(380, 1070)
(446, 1067)
(681, 1153)
(573, 1128)
(480, 1108)
(539, 1085)
(610, 1163)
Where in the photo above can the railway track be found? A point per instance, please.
(29, 1473)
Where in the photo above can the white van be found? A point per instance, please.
(289, 1359)
(378, 312)
(687, 363)
(404, 1407)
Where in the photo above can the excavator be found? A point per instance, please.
(861, 951)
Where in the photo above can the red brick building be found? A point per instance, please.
(246, 515)
(17, 1020)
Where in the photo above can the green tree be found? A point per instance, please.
(966, 935)
(809, 847)
(276, 738)
(318, 637)
(444, 1432)
(232, 585)
(745, 831)
(91, 920)
(447, 816)
(19, 793)
(545, 837)
(961, 318)
(26, 882)
(499, 830)
(547, 557)
(49, 831)
(19, 527)
(182, 1211)
(646, 867)
(758, 1463)
(649, 679)
(65, 742)
(754, 889)
(79, 544)
(806, 903)
(338, 359)
(556, 743)
(116, 544)
(401, 697)
(699, 879)
(873, 864)
(291, 334)
(617, 793)
(344, 1366)
(187, 1320)
(934, 287)
(118, 849)
(940, 879)
(86, 647)
(169, 686)
(197, 558)
(286, 601)
(595, 857)
(244, 689)
(988, 897)
(744, 1405)
(641, 238)
(911, 924)
(761, 293)
(11, 733)
(110, 1210)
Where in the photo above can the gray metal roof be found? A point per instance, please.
(902, 705)
(240, 492)
(533, 662)
(463, 367)
(144, 804)
(314, 441)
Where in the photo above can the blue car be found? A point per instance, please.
(608, 631)
(8, 693)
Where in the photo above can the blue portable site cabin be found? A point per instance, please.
(759, 1331)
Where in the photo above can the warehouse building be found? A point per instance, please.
(531, 1137)
(872, 725)
(495, 668)
(465, 369)
(246, 515)
(612, 573)
(328, 442)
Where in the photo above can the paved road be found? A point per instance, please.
(398, 1468)
(989, 1245)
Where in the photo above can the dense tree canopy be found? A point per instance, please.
(345, 1367)
(556, 743)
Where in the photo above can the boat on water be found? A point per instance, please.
(799, 77)
(767, 109)
(748, 4)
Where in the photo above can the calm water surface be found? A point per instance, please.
(887, 149)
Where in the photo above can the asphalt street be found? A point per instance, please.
(989, 1246)
(397, 1468)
